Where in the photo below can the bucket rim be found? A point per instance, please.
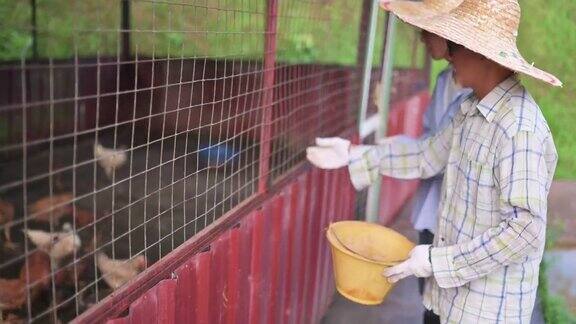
(335, 242)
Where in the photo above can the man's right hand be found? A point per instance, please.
(329, 153)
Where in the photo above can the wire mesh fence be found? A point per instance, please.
(127, 127)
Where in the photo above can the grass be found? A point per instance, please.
(553, 306)
(547, 38)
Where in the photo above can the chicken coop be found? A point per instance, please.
(152, 153)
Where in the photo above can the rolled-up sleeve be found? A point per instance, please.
(400, 158)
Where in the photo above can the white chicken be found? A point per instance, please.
(109, 159)
(117, 272)
(57, 245)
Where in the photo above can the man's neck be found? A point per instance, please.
(490, 82)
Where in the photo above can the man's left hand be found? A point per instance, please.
(418, 264)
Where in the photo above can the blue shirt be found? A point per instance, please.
(445, 101)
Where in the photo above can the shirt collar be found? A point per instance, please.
(490, 104)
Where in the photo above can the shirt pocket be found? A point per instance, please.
(478, 162)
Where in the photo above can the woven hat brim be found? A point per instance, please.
(455, 30)
(415, 9)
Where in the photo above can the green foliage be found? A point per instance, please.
(547, 38)
(553, 306)
(15, 36)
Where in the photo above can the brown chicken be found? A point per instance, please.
(84, 218)
(13, 319)
(51, 208)
(39, 269)
(12, 294)
(118, 272)
(7, 219)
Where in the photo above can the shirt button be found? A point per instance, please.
(442, 239)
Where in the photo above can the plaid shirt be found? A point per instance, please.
(499, 160)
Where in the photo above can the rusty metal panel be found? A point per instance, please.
(298, 206)
(245, 257)
(258, 269)
(166, 295)
(290, 229)
(219, 286)
(233, 293)
(185, 291)
(202, 306)
(315, 237)
(323, 248)
(274, 214)
(303, 253)
(324, 214)
(281, 246)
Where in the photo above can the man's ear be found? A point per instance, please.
(445, 50)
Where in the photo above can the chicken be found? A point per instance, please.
(84, 218)
(13, 319)
(118, 272)
(57, 245)
(109, 159)
(13, 294)
(51, 208)
(7, 219)
(39, 269)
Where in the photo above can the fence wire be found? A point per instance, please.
(127, 127)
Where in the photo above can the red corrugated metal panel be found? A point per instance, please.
(202, 288)
(311, 188)
(167, 302)
(245, 257)
(274, 213)
(258, 269)
(319, 275)
(291, 226)
(225, 261)
(185, 291)
(298, 238)
(157, 305)
(274, 267)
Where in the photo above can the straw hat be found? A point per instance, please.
(487, 27)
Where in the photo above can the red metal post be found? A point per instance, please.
(269, 72)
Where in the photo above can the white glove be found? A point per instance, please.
(329, 153)
(418, 264)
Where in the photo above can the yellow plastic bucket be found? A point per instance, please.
(360, 253)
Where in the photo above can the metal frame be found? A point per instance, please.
(268, 96)
(373, 202)
(377, 124)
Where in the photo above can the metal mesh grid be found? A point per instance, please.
(125, 135)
